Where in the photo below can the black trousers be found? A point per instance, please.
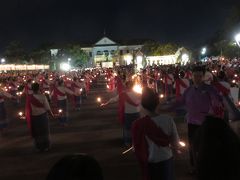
(192, 129)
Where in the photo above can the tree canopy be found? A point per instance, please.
(77, 55)
(152, 48)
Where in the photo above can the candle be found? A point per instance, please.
(131, 148)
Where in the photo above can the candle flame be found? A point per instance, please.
(137, 88)
(182, 143)
(99, 99)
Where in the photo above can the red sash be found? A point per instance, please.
(87, 86)
(168, 77)
(12, 85)
(166, 84)
(129, 100)
(44, 82)
(74, 99)
(74, 86)
(56, 93)
(31, 100)
(188, 75)
(140, 129)
(26, 89)
(179, 83)
(119, 85)
(111, 84)
(225, 91)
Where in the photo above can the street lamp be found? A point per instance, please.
(3, 60)
(237, 39)
(204, 50)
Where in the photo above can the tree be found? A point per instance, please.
(165, 49)
(15, 52)
(78, 56)
(222, 42)
(152, 48)
(42, 54)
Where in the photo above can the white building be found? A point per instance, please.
(107, 52)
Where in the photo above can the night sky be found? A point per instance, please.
(187, 22)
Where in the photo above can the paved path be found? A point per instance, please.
(92, 130)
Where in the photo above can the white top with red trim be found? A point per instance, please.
(36, 111)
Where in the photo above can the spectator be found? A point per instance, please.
(76, 167)
(218, 150)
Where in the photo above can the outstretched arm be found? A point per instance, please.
(112, 100)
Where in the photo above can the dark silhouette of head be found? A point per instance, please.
(76, 167)
(35, 87)
(150, 99)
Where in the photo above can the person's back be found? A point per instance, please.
(160, 153)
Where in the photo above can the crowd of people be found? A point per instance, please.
(45, 95)
(208, 93)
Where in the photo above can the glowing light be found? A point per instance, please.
(65, 66)
(20, 114)
(128, 59)
(182, 144)
(81, 90)
(99, 99)
(204, 50)
(235, 75)
(161, 96)
(237, 39)
(185, 58)
(47, 92)
(108, 86)
(137, 88)
(60, 111)
(3, 60)
(234, 81)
